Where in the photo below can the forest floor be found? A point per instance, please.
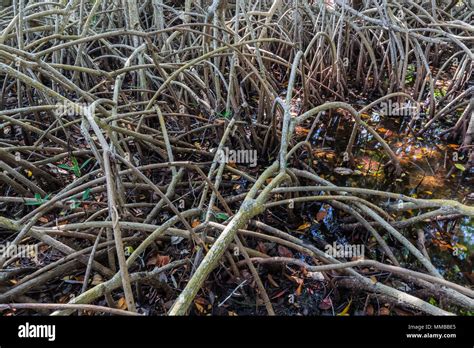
(212, 157)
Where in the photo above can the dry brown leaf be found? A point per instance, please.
(284, 252)
(321, 215)
(369, 310)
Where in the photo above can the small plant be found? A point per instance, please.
(410, 76)
(439, 93)
(75, 168)
(38, 200)
(221, 216)
(75, 203)
(226, 114)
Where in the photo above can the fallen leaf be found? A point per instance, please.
(321, 215)
(326, 304)
(345, 311)
(284, 252)
(300, 283)
(261, 247)
(301, 130)
(369, 310)
(199, 307)
(158, 260)
(163, 260)
(460, 167)
(299, 290)
(279, 294)
(304, 226)
(122, 304)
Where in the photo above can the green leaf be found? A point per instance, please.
(76, 169)
(86, 194)
(222, 216)
(128, 250)
(38, 200)
(460, 167)
(226, 114)
(65, 166)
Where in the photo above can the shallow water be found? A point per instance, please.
(428, 173)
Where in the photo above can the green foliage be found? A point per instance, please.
(410, 76)
(439, 93)
(86, 194)
(221, 216)
(75, 168)
(226, 114)
(38, 200)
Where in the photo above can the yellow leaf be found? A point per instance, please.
(121, 303)
(304, 226)
(299, 289)
(29, 173)
(460, 167)
(199, 307)
(346, 309)
(300, 130)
